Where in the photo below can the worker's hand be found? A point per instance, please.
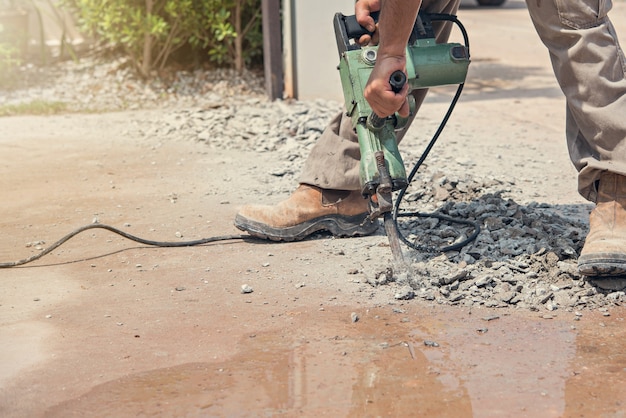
(363, 10)
(378, 93)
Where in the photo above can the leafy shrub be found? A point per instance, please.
(151, 31)
(35, 107)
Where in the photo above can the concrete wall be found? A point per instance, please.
(313, 54)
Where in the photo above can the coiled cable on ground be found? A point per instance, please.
(396, 210)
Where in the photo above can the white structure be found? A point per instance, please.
(310, 49)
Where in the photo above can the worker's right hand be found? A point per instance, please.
(363, 10)
(378, 91)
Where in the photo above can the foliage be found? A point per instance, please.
(151, 31)
(36, 107)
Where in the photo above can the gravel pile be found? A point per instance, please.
(524, 256)
(90, 85)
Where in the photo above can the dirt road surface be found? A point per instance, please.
(106, 327)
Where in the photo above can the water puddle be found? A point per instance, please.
(420, 363)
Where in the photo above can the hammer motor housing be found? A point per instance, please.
(429, 64)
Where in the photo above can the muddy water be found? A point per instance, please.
(390, 363)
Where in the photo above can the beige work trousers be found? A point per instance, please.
(589, 66)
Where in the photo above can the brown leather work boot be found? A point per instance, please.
(309, 209)
(604, 252)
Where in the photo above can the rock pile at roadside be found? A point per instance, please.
(523, 257)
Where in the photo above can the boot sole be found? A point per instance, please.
(339, 226)
(602, 265)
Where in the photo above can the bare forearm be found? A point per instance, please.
(397, 18)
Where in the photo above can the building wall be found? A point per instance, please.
(314, 55)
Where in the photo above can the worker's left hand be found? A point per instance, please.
(363, 10)
(382, 99)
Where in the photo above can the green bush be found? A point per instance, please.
(35, 107)
(228, 32)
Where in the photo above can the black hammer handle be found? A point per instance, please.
(354, 30)
(397, 82)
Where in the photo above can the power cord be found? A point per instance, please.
(396, 212)
(125, 235)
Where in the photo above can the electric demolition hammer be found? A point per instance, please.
(428, 64)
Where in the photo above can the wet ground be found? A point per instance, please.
(402, 361)
(416, 363)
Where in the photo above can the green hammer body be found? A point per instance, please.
(429, 64)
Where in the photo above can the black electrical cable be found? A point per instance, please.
(125, 235)
(396, 213)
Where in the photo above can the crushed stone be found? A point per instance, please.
(523, 258)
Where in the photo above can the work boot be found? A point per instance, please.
(309, 209)
(604, 252)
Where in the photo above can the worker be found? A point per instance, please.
(590, 68)
(329, 197)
